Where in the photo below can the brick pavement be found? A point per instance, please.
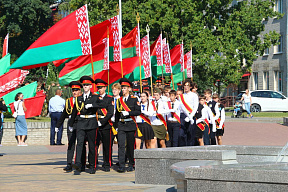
(39, 168)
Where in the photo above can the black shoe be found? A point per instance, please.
(117, 164)
(106, 169)
(130, 169)
(53, 144)
(92, 171)
(82, 168)
(121, 170)
(88, 166)
(68, 168)
(76, 167)
(61, 144)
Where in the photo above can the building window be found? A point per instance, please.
(278, 48)
(280, 82)
(266, 52)
(278, 6)
(266, 80)
(255, 76)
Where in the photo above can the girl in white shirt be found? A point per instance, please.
(247, 102)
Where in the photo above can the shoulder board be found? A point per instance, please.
(109, 96)
(94, 94)
(133, 96)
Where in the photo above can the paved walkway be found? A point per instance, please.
(40, 168)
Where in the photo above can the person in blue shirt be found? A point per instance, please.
(56, 107)
(236, 108)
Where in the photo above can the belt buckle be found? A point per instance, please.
(86, 116)
(122, 120)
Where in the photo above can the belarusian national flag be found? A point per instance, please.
(12, 79)
(188, 64)
(145, 56)
(36, 109)
(177, 59)
(28, 91)
(166, 57)
(5, 64)
(70, 37)
(5, 46)
(73, 69)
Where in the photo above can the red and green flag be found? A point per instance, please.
(5, 64)
(166, 57)
(145, 56)
(188, 64)
(177, 59)
(104, 49)
(10, 80)
(70, 37)
(5, 46)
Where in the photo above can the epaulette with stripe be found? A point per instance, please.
(133, 96)
(109, 96)
(94, 94)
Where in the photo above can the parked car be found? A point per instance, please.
(268, 100)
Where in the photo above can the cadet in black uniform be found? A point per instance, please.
(84, 112)
(71, 131)
(104, 122)
(128, 108)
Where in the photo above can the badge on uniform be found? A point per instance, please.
(113, 103)
(210, 105)
(138, 103)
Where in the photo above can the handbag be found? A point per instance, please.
(16, 112)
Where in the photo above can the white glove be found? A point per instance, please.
(213, 128)
(220, 126)
(145, 113)
(56, 129)
(99, 124)
(113, 118)
(125, 113)
(172, 110)
(116, 129)
(187, 119)
(191, 121)
(87, 106)
(70, 129)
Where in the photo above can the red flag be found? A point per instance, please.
(177, 59)
(166, 57)
(32, 109)
(12, 79)
(4, 93)
(5, 46)
(145, 56)
(188, 64)
(156, 50)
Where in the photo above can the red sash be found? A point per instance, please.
(146, 119)
(159, 115)
(187, 107)
(71, 102)
(202, 124)
(173, 114)
(104, 111)
(126, 108)
(218, 123)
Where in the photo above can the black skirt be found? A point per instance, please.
(146, 131)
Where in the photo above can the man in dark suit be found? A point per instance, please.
(71, 131)
(105, 124)
(128, 108)
(84, 112)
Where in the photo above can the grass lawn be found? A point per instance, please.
(263, 114)
(32, 119)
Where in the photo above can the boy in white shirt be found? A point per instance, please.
(173, 119)
(220, 120)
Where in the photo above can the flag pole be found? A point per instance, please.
(182, 47)
(139, 52)
(93, 72)
(119, 12)
(170, 66)
(162, 58)
(148, 30)
(191, 62)
(108, 59)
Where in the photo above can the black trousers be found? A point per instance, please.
(212, 136)
(91, 137)
(124, 136)
(107, 142)
(173, 130)
(1, 134)
(71, 148)
(187, 132)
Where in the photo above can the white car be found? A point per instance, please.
(267, 100)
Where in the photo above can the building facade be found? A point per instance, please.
(269, 70)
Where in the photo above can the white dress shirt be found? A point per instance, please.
(162, 109)
(177, 110)
(192, 101)
(222, 118)
(207, 114)
(144, 110)
(216, 109)
(86, 95)
(115, 106)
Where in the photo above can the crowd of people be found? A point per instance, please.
(144, 119)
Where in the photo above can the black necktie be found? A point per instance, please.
(125, 99)
(172, 114)
(86, 97)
